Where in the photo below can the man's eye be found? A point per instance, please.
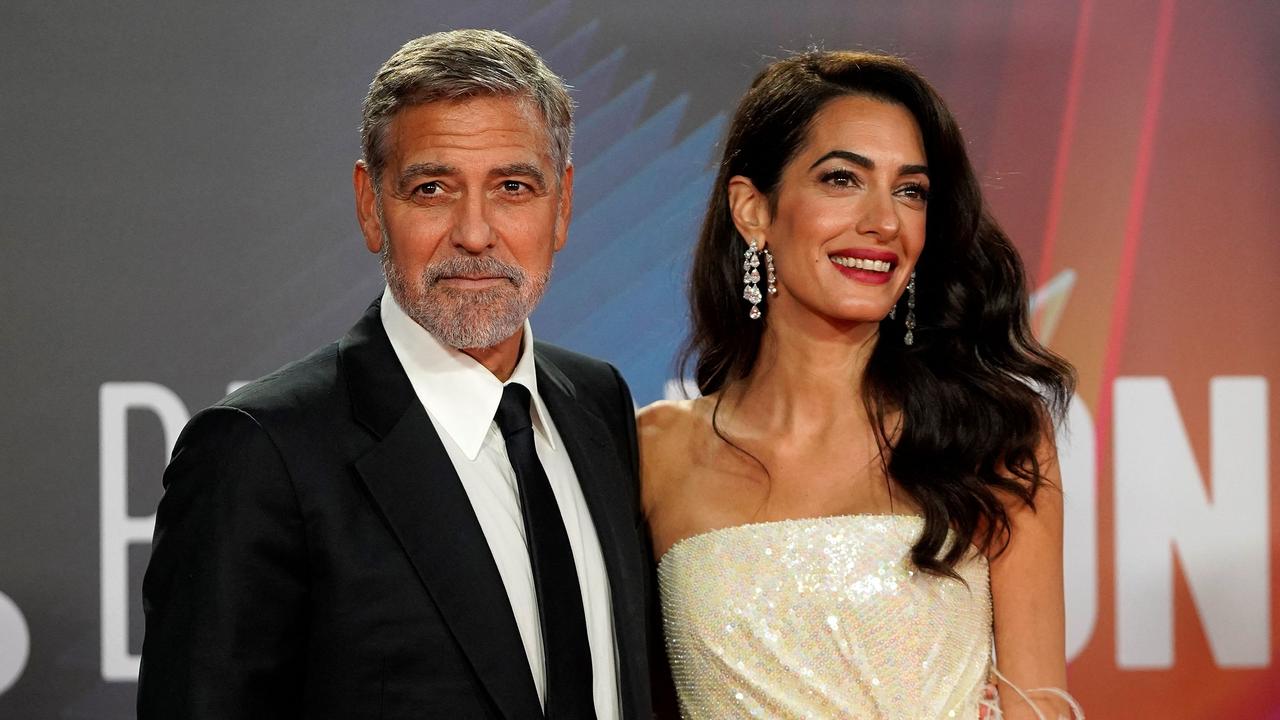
(513, 186)
(428, 189)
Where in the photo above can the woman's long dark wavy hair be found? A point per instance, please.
(976, 391)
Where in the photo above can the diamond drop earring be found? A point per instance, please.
(770, 275)
(751, 276)
(910, 323)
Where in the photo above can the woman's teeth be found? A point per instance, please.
(861, 264)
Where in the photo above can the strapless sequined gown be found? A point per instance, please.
(823, 618)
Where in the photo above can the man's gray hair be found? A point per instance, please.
(456, 65)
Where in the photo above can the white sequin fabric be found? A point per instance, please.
(823, 618)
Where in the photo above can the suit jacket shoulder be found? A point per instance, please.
(293, 393)
(596, 377)
(597, 385)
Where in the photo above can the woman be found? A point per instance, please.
(866, 493)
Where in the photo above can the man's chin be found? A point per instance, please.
(469, 325)
(474, 338)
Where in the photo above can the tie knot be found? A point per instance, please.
(513, 410)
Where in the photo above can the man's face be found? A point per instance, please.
(471, 214)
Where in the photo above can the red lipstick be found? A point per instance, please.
(865, 275)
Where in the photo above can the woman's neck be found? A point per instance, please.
(808, 375)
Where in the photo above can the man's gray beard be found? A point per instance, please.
(466, 318)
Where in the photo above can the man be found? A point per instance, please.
(434, 517)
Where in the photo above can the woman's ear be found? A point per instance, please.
(750, 210)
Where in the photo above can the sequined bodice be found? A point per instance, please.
(823, 618)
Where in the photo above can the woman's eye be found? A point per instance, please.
(840, 178)
(915, 191)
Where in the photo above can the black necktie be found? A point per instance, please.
(566, 652)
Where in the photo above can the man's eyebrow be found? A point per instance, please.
(427, 169)
(521, 169)
(868, 163)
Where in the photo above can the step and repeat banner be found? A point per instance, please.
(178, 219)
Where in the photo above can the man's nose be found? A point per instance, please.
(472, 230)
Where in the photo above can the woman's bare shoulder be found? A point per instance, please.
(668, 432)
(664, 414)
(671, 424)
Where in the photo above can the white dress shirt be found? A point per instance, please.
(461, 397)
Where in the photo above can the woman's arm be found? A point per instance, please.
(655, 426)
(1027, 599)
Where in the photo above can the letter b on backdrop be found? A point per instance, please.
(119, 528)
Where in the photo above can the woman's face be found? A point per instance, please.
(849, 223)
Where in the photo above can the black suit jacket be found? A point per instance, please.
(316, 556)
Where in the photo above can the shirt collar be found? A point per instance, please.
(459, 394)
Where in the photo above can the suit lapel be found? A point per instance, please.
(412, 481)
(603, 478)
(587, 440)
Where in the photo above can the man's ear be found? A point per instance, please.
(367, 207)
(565, 211)
(750, 210)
